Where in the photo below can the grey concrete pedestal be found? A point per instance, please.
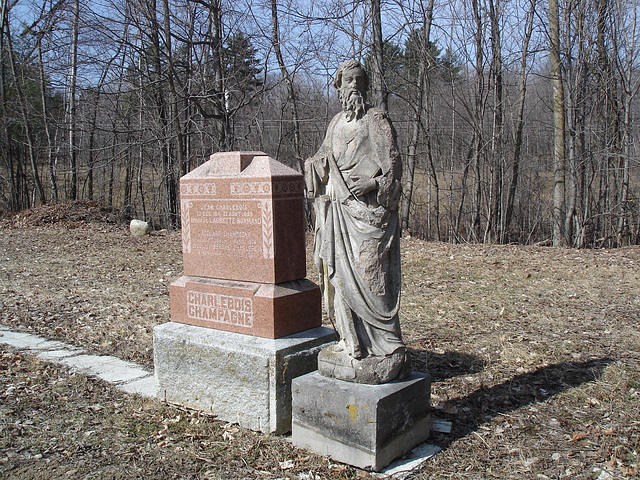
(241, 378)
(367, 426)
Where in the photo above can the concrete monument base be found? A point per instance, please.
(241, 378)
(367, 426)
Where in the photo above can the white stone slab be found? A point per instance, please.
(402, 468)
(145, 386)
(58, 355)
(128, 377)
(107, 368)
(27, 341)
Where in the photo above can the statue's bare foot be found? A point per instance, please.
(340, 346)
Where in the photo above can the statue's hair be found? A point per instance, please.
(348, 65)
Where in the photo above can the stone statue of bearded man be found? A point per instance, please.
(354, 179)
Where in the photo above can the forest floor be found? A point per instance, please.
(534, 353)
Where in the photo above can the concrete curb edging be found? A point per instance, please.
(126, 376)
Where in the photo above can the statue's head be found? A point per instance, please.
(352, 83)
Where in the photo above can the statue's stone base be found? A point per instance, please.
(241, 378)
(334, 362)
(367, 426)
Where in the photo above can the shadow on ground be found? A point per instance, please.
(485, 403)
(445, 365)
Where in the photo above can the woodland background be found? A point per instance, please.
(516, 119)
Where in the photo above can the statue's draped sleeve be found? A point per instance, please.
(317, 167)
(384, 147)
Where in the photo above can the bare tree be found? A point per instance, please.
(493, 228)
(421, 111)
(275, 38)
(378, 87)
(558, 124)
(23, 105)
(71, 100)
(517, 148)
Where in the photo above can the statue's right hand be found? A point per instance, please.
(316, 174)
(362, 185)
(310, 179)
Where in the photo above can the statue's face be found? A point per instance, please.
(353, 79)
(352, 93)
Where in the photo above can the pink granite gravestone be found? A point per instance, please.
(243, 248)
(245, 320)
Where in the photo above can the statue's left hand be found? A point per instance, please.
(362, 185)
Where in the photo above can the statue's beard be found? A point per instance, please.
(352, 104)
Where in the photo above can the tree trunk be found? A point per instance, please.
(141, 152)
(51, 158)
(477, 141)
(493, 229)
(515, 166)
(5, 145)
(71, 102)
(177, 159)
(379, 88)
(26, 121)
(215, 32)
(409, 173)
(558, 237)
(275, 39)
(422, 98)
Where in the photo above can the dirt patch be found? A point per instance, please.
(69, 215)
(535, 355)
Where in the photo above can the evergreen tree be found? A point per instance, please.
(240, 66)
(442, 65)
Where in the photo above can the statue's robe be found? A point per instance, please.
(357, 242)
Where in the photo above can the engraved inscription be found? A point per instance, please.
(288, 187)
(218, 308)
(198, 189)
(231, 213)
(226, 228)
(264, 188)
(250, 188)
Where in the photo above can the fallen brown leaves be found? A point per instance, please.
(69, 215)
(57, 425)
(534, 353)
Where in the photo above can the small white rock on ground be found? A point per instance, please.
(133, 378)
(139, 228)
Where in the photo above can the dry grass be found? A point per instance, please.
(535, 355)
(536, 351)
